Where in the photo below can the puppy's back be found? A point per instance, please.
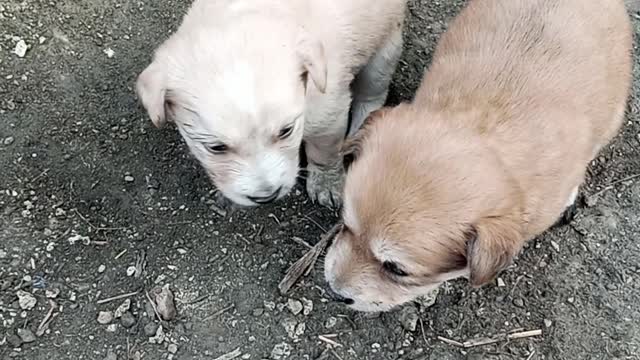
(528, 55)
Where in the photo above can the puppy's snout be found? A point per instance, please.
(339, 298)
(266, 198)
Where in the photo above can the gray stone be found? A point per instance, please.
(26, 335)
(150, 329)
(127, 320)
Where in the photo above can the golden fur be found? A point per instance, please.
(520, 97)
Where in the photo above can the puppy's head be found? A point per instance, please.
(237, 96)
(423, 203)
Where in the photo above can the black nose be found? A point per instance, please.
(265, 199)
(339, 298)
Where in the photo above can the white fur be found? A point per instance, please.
(233, 73)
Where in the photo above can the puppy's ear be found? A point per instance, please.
(353, 145)
(151, 89)
(491, 247)
(314, 61)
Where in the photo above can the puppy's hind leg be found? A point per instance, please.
(371, 85)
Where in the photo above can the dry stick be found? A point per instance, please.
(219, 312)
(610, 186)
(329, 341)
(309, 259)
(45, 322)
(335, 354)
(98, 228)
(118, 297)
(531, 355)
(450, 342)
(230, 356)
(153, 305)
(489, 341)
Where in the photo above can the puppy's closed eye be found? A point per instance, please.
(394, 269)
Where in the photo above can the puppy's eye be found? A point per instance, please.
(286, 132)
(394, 269)
(217, 149)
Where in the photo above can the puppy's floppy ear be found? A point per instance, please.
(311, 54)
(151, 89)
(353, 145)
(491, 247)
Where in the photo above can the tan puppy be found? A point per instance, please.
(520, 97)
(246, 81)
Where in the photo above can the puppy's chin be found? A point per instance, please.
(240, 199)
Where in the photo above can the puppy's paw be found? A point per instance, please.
(324, 185)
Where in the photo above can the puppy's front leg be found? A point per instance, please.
(325, 173)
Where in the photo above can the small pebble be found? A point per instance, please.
(105, 317)
(26, 300)
(128, 178)
(164, 302)
(518, 302)
(548, 323)
(111, 355)
(281, 351)
(409, 318)
(123, 308)
(295, 306)
(555, 246)
(101, 269)
(570, 300)
(21, 48)
(26, 335)
(8, 141)
(131, 270)
(150, 329)
(308, 306)
(172, 348)
(330, 322)
(52, 293)
(127, 320)
(501, 283)
(14, 341)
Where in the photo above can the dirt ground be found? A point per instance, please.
(89, 189)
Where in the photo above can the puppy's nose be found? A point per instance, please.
(339, 298)
(265, 199)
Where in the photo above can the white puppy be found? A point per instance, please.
(246, 81)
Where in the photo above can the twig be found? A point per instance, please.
(315, 223)
(531, 355)
(492, 340)
(450, 342)
(153, 306)
(299, 241)
(44, 324)
(118, 297)
(611, 184)
(230, 356)
(120, 254)
(329, 341)
(424, 337)
(98, 228)
(39, 176)
(307, 260)
(335, 354)
(219, 312)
